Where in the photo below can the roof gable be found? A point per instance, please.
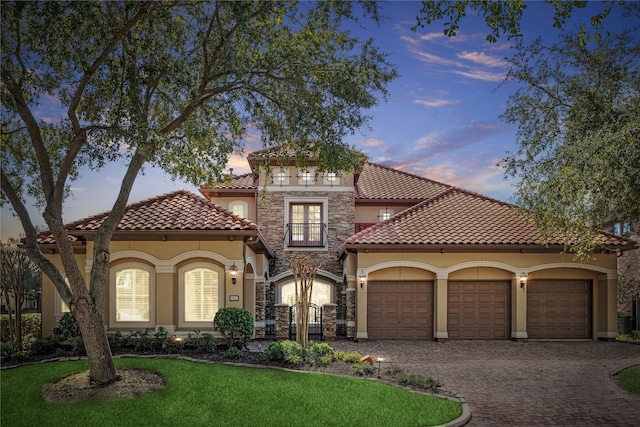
(176, 211)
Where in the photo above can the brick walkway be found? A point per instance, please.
(522, 384)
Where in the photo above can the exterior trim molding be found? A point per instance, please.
(443, 272)
(323, 273)
(166, 266)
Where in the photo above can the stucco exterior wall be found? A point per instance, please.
(165, 259)
(444, 267)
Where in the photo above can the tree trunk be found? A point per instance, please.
(89, 317)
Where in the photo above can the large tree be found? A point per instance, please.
(577, 110)
(172, 84)
(576, 107)
(503, 18)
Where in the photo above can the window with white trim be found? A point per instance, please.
(239, 208)
(132, 295)
(320, 294)
(200, 293)
(306, 176)
(331, 178)
(385, 214)
(280, 177)
(305, 226)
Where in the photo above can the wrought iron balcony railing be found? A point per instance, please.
(306, 235)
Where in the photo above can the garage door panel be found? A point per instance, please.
(479, 310)
(559, 309)
(400, 310)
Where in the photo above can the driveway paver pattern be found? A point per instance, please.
(534, 383)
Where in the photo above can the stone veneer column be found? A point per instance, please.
(260, 310)
(282, 322)
(351, 311)
(329, 321)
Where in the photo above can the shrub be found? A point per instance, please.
(274, 352)
(7, 349)
(320, 354)
(77, 346)
(635, 335)
(362, 369)
(205, 343)
(143, 341)
(348, 356)
(68, 326)
(31, 325)
(286, 351)
(417, 381)
(235, 324)
(294, 353)
(46, 345)
(116, 340)
(233, 353)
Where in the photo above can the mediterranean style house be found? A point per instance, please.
(402, 258)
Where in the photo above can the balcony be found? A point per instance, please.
(306, 235)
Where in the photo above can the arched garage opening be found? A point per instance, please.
(400, 304)
(479, 304)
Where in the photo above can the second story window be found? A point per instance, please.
(306, 177)
(239, 208)
(331, 178)
(305, 227)
(280, 177)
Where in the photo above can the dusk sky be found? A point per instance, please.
(441, 120)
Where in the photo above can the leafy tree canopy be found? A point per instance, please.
(173, 84)
(577, 109)
(504, 17)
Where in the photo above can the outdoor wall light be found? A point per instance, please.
(523, 279)
(234, 272)
(362, 277)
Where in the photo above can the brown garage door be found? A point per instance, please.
(479, 310)
(559, 309)
(400, 310)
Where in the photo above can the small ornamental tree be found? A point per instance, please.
(304, 270)
(235, 324)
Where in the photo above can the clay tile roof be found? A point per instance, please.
(458, 217)
(239, 182)
(384, 183)
(179, 210)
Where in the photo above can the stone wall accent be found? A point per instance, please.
(340, 223)
(282, 321)
(260, 309)
(329, 322)
(351, 312)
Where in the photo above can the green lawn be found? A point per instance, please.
(199, 394)
(629, 379)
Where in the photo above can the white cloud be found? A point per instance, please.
(434, 102)
(373, 143)
(481, 75)
(483, 59)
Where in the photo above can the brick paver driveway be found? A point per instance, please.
(517, 384)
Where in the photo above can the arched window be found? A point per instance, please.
(200, 295)
(132, 296)
(320, 294)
